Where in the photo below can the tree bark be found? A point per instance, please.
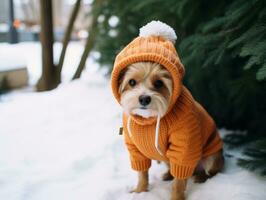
(90, 40)
(13, 34)
(67, 37)
(49, 79)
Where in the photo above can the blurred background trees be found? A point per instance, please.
(223, 47)
(51, 73)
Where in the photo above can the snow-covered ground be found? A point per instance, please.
(64, 145)
(28, 54)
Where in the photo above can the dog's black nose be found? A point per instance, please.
(144, 100)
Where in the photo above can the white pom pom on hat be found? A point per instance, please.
(158, 28)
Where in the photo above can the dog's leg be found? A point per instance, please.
(167, 176)
(214, 163)
(178, 189)
(143, 182)
(200, 177)
(211, 166)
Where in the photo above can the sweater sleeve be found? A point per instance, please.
(185, 147)
(139, 162)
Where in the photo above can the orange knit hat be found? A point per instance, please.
(154, 44)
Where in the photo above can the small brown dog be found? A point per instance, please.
(152, 80)
(161, 119)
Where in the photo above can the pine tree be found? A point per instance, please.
(255, 157)
(226, 60)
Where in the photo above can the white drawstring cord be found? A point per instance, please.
(157, 130)
(157, 135)
(128, 126)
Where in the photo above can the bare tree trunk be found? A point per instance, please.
(90, 40)
(67, 37)
(88, 47)
(49, 79)
(51, 74)
(13, 34)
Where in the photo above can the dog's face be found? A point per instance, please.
(145, 89)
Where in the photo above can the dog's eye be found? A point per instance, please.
(132, 82)
(158, 84)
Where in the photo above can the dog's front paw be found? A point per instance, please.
(140, 188)
(178, 197)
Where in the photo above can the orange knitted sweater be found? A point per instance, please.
(183, 139)
(186, 133)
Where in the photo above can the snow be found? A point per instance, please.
(64, 144)
(28, 54)
(7, 55)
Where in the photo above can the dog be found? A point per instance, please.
(146, 90)
(161, 119)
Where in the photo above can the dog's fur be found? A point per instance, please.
(145, 76)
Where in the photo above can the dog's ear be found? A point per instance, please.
(121, 78)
